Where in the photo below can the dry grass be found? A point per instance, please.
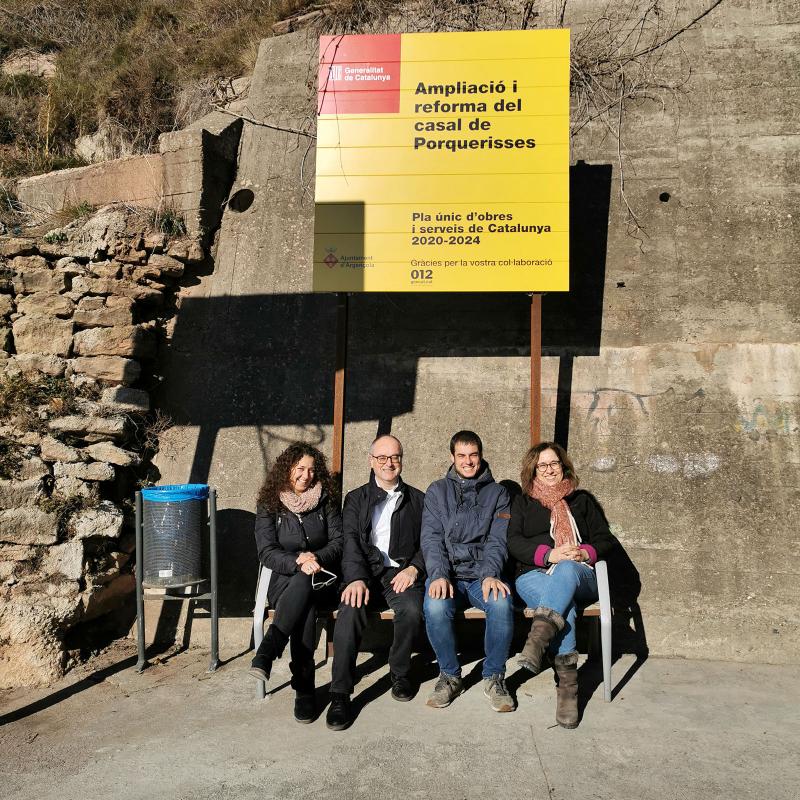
(21, 396)
(143, 54)
(10, 458)
(65, 508)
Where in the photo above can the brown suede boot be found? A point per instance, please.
(566, 667)
(546, 624)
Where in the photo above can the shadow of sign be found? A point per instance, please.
(268, 359)
(572, 323)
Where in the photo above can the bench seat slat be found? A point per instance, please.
(467, 613)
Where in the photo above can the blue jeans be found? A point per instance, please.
(499, 627)
(571, 585)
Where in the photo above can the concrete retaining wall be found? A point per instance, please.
(680, 405)
(190, 174)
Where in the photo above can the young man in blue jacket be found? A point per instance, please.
(464, 525)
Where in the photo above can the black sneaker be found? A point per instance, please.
(339, 715)
(401, 688)
(304, 708)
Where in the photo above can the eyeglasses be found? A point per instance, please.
(383, 459)
(322, 582)
(544, 466)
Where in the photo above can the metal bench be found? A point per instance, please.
(601, 610)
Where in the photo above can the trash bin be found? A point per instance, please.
(174, 518)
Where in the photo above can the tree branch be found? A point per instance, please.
(676, 33)
(262, 124)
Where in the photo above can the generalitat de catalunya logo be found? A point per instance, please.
(359, 74)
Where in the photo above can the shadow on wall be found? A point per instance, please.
(269, 360)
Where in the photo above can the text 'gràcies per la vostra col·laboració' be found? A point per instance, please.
(482, 98)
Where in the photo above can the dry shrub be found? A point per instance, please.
(21, 395)
(357, 16)
(148, 430)
(11, 211)
(141, 54)
(248, 55)
(10, 458)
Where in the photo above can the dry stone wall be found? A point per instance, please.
(84, 310)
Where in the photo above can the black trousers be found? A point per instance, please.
(350, 624)
(296, 618)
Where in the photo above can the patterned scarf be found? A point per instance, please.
(306, 501)
(552, 497)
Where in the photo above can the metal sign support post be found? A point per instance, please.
(337, 459)
(536, 369)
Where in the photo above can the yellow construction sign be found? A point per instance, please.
(443, 162)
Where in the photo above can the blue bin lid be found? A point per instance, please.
(176, 493)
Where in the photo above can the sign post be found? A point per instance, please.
(536, 369)
(337, 462)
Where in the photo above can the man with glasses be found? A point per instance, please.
(464, 542)
(382, 561)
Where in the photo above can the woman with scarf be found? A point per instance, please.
(299, 537)
(556, 534)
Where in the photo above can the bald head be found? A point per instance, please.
(386, 460)
(383, 439)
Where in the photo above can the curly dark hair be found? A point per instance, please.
(277, 479)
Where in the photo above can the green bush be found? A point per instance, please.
(170, 222)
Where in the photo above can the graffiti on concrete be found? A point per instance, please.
(603, 404)
(765, 416)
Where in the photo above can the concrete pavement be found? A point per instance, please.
(676, 729)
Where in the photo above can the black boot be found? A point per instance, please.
(270, 648)
(305, 709)
(340, 715)
(303, 683)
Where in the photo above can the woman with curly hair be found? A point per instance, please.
(556, 534)
(298, 534)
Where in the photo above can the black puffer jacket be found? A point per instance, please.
(361, 559)
(529, 540)
(282, 536)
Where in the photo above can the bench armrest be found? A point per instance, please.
(264, 575)
(604, 595)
